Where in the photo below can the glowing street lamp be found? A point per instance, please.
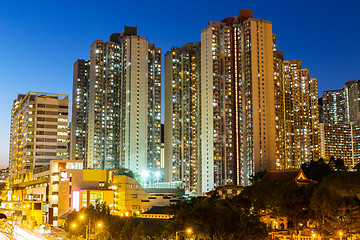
(88, 227)
(187, 231)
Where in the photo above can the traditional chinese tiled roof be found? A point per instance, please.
(296, 175)
(156, 210)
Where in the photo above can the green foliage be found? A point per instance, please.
(73, 237)
(333, 203)
(125, 171)
(217, 219)
(340, 165)
(336, 204)
(257, 176)
(100, 213)
(129, 173)
(316, 170)
(140, 231)
(128, 229)
(282, 199)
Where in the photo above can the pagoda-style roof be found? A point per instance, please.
(229, 186)
(281, 176)
(156, 210)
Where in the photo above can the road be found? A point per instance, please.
(20, 233)
(4, 236)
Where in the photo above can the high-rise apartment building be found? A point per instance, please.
(305, 117)
(122, 115)
(154, 110)
(182, 138)
(334, 106)
(340, 141)
(38, 134)
(321, 111)
(237, 100)
(255, 111)
(352, 100)
(297, 114)
(220, 110)
(340, 132)
(80, 103)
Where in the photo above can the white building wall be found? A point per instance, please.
(207, 143)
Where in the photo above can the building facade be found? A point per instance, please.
(352, 100)
(182, 109)
(38, 133)
(80, 103)
(237, 99)
(297, 114)
(117, 105)
(340, 141)
(334, 106)
(339, 132)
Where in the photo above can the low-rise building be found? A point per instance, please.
(64, 186)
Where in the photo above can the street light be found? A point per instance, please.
(340, 233)
(88, 227)
(187, 231)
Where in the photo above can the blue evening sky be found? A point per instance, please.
(40, 40)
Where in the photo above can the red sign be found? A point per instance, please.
(64, 176)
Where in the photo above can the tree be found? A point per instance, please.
(316, 170)
(286, 199)
(336, 204)
(139, 232)
(219, 219)
(128, 230)
(128, 172)
(257, 176)
(100, 213)
(340, 165)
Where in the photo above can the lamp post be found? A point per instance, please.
(187, 231)
(88, 227)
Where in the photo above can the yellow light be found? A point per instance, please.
(189, 230)
(82, 217)
(314, 235)
(99, 225)
(74, 225)
(127, 214)
(340, 233)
